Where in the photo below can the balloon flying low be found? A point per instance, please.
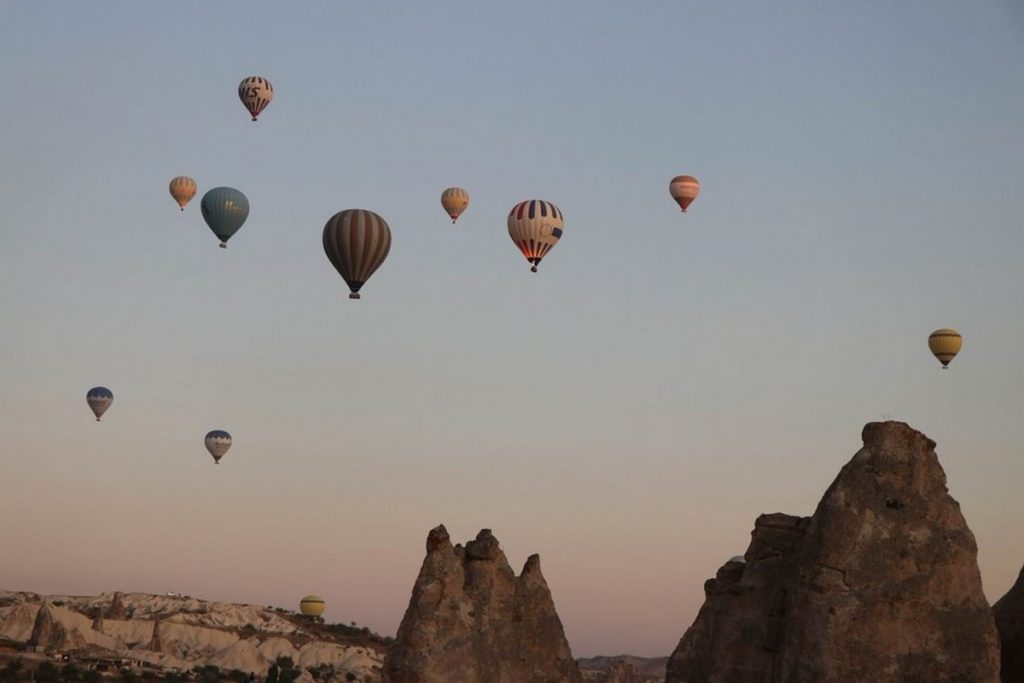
(99, 399)
(312, 606)
(255, 93)
(356, 242)
(218, 442)
(945, 344)
(684, 189)
(224, 210)
(454, 200)
(183, 189)
(535, 226)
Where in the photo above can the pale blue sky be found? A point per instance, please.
(626, 412)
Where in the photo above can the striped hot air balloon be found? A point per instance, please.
(224, 210)
(99, 399)
(312, 606)
(454, 200)
(535, 226)
(255, 93)
(218, 442)
(945, 344)
(356, 241)
(684, 189)
(183, 189)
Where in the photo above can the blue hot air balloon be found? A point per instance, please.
(99, 399)
(224, 210)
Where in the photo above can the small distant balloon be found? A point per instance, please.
(218, 442)
(312, 606)
(183, 189)
(945, 344)
(99, 399)
(684, 189)
(454, 200)
(356, 242)
(535, 226)
(255, 93)
(224, 210)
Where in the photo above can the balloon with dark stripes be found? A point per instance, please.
(217, 443)
(356, 241)
(535, 226)
(224, 210)
(255, 93)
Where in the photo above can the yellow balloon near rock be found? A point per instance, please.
(312, 606)
(945, 344)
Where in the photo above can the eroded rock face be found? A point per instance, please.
(472, 620)
(1009, 614)
(880, 584)
(116, 609)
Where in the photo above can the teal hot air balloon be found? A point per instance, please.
(224, 210)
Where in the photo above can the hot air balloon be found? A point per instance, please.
(255, 93)
(183, 189)
(454, 200)
(684, 189)
(99, 399)
(356, 241)
(945, 344)
(218, 442)
(535, 226)
(312, 606)
(224, 210)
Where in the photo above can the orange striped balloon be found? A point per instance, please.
(684, 189)
(454, 200)
(535, 226)
(356, 241)
(183, 189)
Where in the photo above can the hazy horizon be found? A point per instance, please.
(626, 412)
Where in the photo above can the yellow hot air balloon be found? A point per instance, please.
(312, 606)
(183, 189)
(945, 344)
(454, 200)
(684, 189)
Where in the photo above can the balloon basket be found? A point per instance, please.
(533, 269)
(223, 245)
(97, 419)
(354, 295)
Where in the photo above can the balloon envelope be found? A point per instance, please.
(684, 189)
(535, 226)
(356, 242)
(945, 344)
(218, 442)
(454, 200)
(183, 189)
(99, 399)
(312, 605)
(224, 210)
(255, 93)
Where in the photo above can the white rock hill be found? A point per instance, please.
(181, 632)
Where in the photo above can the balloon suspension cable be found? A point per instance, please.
(354, 295)
(223, 245)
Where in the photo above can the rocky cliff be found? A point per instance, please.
(472, 620)
(880, 584)
(1009, 613)
(178, 633)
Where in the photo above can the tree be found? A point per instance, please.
(10, 673)
(274, 674)
(47, 673)
(70, 673)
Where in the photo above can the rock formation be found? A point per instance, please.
(1009, 614)
(471, 620)
(49, 633)
(880, 584)
(116, 609)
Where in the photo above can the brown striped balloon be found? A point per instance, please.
(356, 241)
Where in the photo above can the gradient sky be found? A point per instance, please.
(627, 412)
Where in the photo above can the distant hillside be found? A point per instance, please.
(172, 633)
(623, 669)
